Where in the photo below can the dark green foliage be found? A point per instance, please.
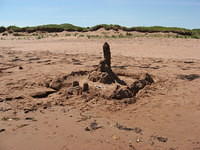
(2, 29)
(105, 26)
(154, 29)
(15, 29)
(48, 28)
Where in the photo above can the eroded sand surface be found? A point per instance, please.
(165, 115)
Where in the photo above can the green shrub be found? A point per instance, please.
(41, 36)
(15, 29)
(106, 27)
(30, 29)
(2, 29)
(196, 33)
(128, 34)
(93, 36)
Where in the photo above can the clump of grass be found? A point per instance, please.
(113, 36)
(104, 33)
(41, 36)
(128, 34)
(93, 36)
(81, 35)
(18, 34)
(196, 36)
(122, 36)
(67, 34)
(196, 33)
(75, 34)
(34, 34)
(106, 36)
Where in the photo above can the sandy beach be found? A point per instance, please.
(162, 116)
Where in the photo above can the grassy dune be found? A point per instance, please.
(194, 33)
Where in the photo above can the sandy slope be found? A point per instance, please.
(166, 113)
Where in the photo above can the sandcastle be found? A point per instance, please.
(102, 81)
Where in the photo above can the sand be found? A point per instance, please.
(165, 115)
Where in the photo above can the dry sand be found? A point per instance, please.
(164, 117)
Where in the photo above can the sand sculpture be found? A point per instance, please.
(102, 75)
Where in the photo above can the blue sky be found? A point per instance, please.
(180, 13)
